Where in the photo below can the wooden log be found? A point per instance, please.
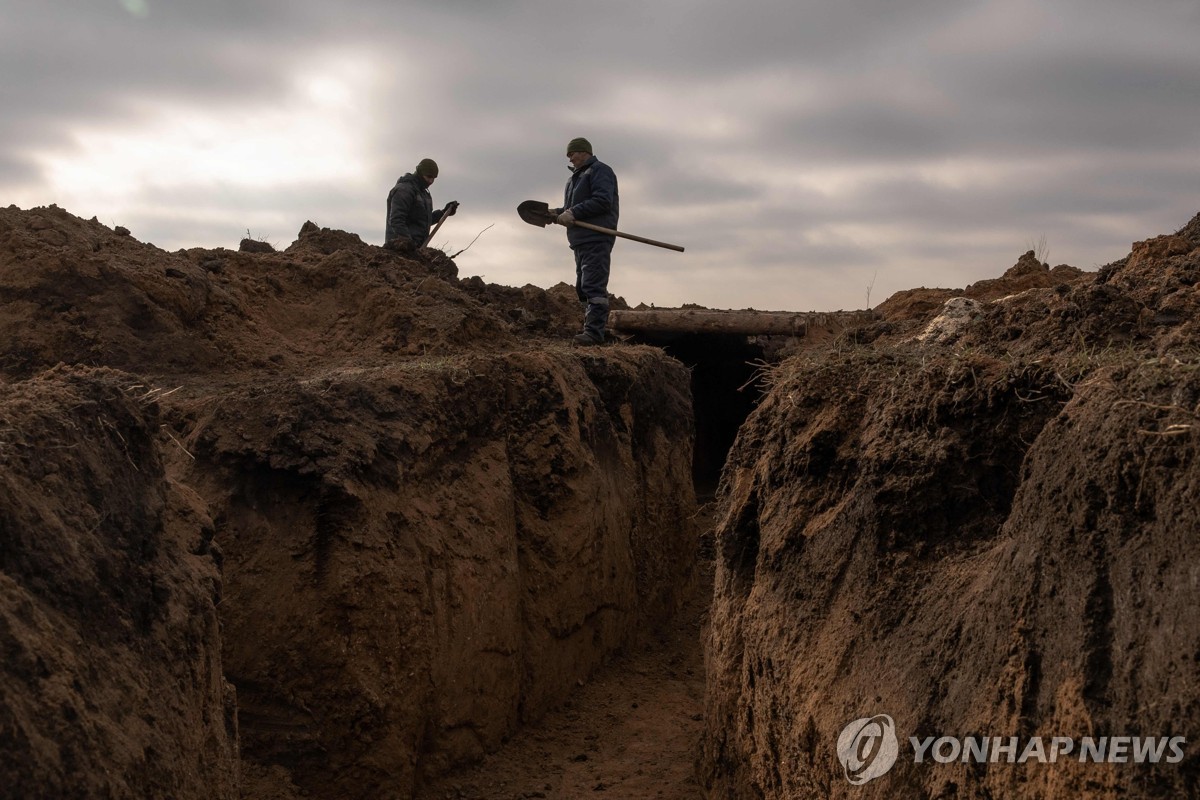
(745, 323)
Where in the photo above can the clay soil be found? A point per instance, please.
(977, 516)
(334, 522)
(632, 732)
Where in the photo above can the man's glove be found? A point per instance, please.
(450, 208)
(566, 218)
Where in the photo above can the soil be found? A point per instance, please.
(977, 517)
(108, 587)
(630, 733)
(333, 522)
(422, 520)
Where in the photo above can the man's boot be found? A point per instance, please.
(586, 339)
(593, 324)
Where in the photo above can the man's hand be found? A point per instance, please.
(566, 218)
(450, 208)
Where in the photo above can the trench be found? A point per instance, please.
(633, 730)
(725, 389)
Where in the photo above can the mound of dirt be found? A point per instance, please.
(73, 291)
(986, 533)
(437, 519)
(914, 308)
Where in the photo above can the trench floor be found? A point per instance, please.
(631, 733)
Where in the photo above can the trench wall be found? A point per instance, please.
(421, 558)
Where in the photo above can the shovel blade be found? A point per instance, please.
(535, 212)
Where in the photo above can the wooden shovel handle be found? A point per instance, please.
(441, 219)
(641, 239)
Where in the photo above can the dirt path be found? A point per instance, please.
(631, 733)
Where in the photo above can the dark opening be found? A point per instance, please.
(725, 390)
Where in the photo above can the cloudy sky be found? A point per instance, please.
(809, 154)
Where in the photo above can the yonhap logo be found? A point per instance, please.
(868, 748)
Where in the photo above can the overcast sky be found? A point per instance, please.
(805, 152)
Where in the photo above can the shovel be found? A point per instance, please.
(429, 238)
(538, 213)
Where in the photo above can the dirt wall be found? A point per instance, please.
(437, 519)
(111, 682)
(987, 532)
(422, 558)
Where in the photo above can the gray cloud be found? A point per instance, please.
(805, 145)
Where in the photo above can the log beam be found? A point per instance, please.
(744, 323)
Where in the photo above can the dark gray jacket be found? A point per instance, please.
(410, 211)
(591, 194)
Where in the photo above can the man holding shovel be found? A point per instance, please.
(410, 208)
(590, 196)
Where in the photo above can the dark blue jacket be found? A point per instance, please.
(591, 195)
(410, 210)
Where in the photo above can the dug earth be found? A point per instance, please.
(329, 518)
(333, 522)
(974, 518)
